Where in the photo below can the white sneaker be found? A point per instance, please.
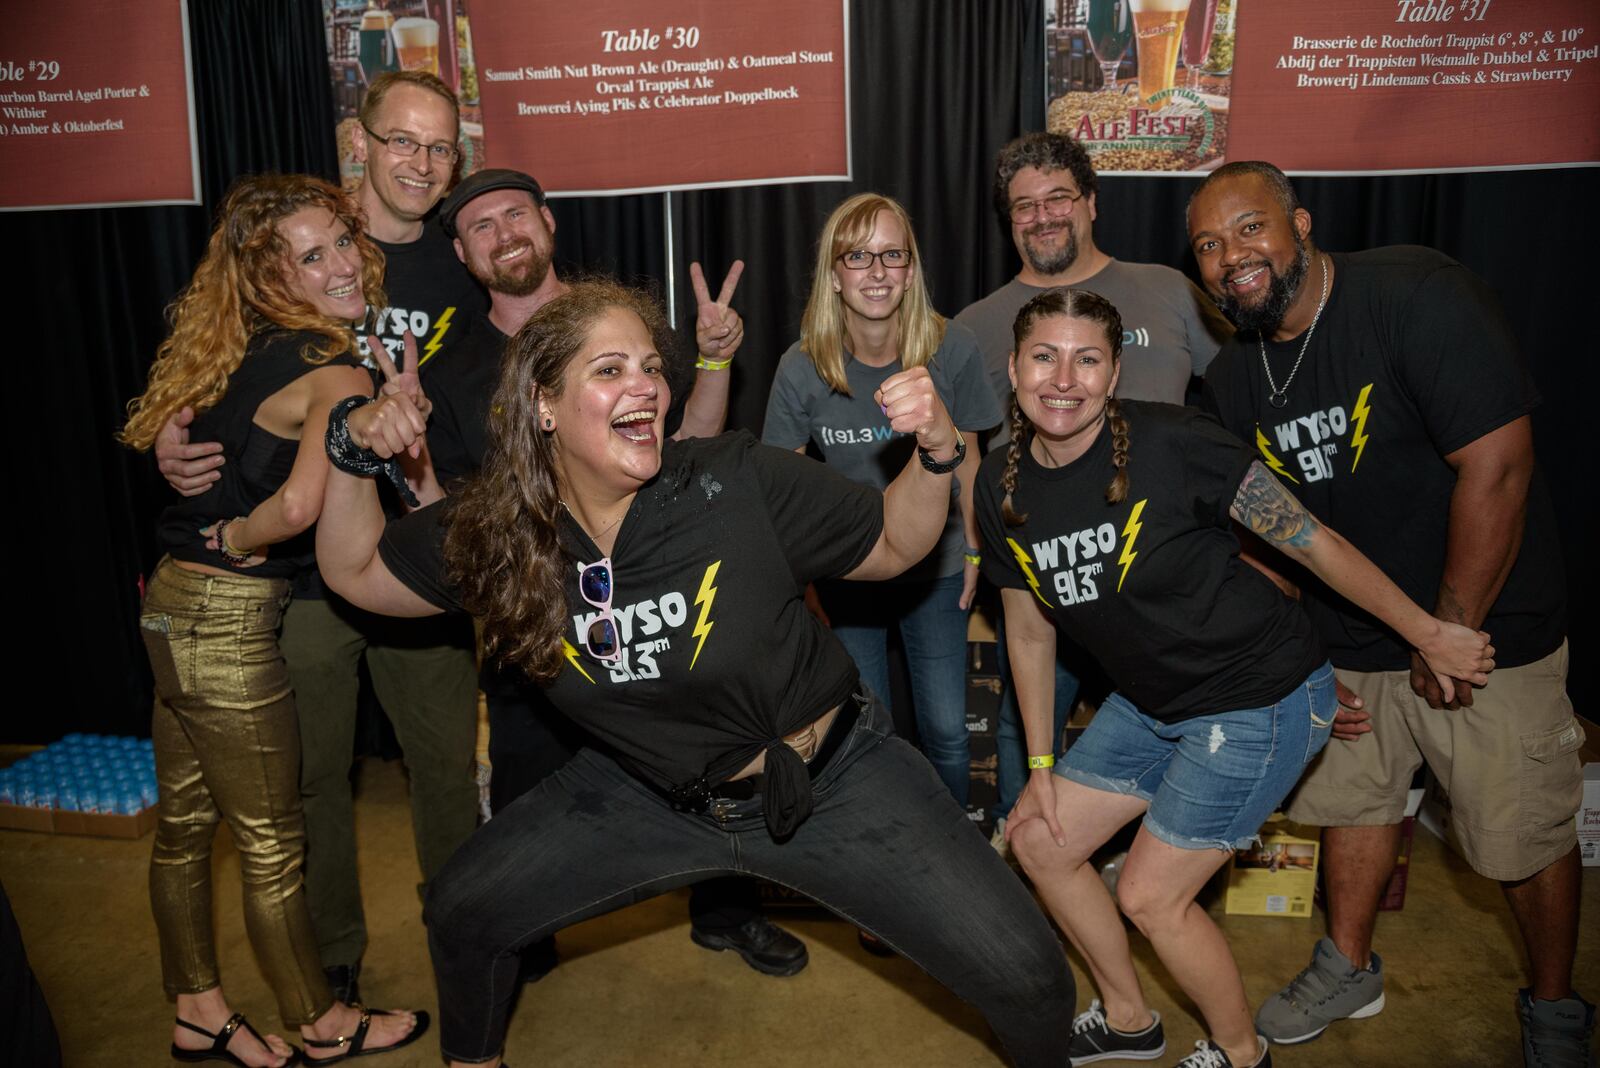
(997, 841)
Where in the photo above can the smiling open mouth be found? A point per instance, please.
(1063, 404)
(1245, 277)
(636, 426)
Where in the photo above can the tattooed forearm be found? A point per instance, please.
(1271, 512)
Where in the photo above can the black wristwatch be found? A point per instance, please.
(943, 467)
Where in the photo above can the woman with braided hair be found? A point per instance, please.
(1116, 519)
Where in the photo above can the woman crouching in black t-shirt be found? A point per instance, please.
(657, 593)
(1114, 519)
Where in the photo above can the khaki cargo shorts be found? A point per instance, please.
(1509, 763)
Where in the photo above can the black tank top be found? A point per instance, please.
(258, 462)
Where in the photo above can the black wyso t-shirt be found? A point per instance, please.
(1410, 361)
(430, 293)
(720, 655)
(1152, 587)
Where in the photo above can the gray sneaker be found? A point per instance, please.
(1555, 1034)
(1330, 988)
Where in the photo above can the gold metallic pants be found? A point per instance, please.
(227, 747)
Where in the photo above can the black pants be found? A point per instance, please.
(529, 741)
(886, 848)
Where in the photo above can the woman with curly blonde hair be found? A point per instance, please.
(262, 348)
(869, 317)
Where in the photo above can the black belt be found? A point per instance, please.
(698, 795)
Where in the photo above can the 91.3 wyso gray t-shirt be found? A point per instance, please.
(854, 435)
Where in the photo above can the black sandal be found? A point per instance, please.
(357, 1042)
(219, 1043)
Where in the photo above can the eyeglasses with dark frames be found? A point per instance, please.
(1054, 206)
(859, 259)
(404, 147)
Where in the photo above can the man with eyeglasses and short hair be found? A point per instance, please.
(1044, 185)
(424, 672)
(407, 148)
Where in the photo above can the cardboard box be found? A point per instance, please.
(94, 824)
(1589, 817)
(983, 718)
(1277, 877)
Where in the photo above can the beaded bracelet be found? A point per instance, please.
(229, 553)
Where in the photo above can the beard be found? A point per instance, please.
(518, 280)
(1057, 261)
(1265, 315)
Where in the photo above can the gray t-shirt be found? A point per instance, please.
(854, 436)
(1170, 331)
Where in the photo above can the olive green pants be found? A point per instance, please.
(425, 675)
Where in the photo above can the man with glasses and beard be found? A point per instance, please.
(1044, 187)
(1385, 388)
(505, 235)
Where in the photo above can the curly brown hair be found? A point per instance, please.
(502, 547)
(1073, 304)
(240, 288)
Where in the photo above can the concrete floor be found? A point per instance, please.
(633, 991)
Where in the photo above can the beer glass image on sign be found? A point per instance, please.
(1110, 33)
(1158, 24)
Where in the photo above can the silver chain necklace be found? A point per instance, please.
(1279, 397)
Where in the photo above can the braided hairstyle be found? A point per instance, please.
(1072, 304)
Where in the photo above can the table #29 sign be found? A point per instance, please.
(669, 95)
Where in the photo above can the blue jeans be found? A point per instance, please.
(885, 848)
(1010, 744)
(1211, 781)
(933, 626)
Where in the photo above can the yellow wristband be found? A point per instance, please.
(703, 364)
(1046, 761)
(974, 559)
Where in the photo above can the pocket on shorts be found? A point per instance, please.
(1552, 777)
(1322, 700)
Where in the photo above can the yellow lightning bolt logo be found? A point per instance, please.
(1358, 417)
(436, 342)
(571, 654)
(704, 598)
(1130, 534)
(1272, 461)
(1024, 562)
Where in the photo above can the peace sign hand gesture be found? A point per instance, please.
(396, 423)
(718, 329)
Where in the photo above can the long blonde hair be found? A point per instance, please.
(238, 289)
(919, 329)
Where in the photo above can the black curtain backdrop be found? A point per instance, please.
(936, 90)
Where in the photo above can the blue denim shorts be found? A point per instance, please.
(1211, 781)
